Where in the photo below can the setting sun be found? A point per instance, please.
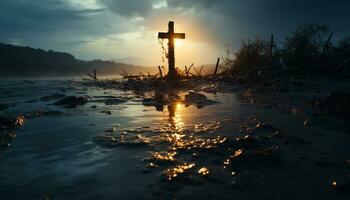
(174, 99)
(178, 43)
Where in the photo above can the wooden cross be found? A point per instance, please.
(170, 35)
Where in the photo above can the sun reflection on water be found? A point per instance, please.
(175, 119)
(178, 143)
(179, 169)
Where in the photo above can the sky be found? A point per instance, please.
(114, 29)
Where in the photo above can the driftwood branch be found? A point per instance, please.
(217, 66)
(195, 69)
(189, 69)
(90, 75)
(326, 46)
(200, 71)
(93, 76)
(160, 71)
(271, 48)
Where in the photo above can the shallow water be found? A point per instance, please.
(231, 149)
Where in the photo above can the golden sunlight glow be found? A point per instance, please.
(178, 43)
(175, 117)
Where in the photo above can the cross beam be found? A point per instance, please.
(170, 35)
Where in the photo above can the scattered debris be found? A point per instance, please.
(8, 127)
(93, 76)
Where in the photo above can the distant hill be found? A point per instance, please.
(17, 61)
(136, 61)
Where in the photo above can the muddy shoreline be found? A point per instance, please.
(263, 139)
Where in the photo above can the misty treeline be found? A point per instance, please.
(17, 61)
(308, 51)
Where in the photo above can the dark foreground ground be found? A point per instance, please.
(212, 140)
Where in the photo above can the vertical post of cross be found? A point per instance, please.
(171, 50)
(171, 35)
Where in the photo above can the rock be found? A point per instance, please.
(52, 97)
(210, 88)
(114, 101)
(157, 103)
(197, 99)
(171, 97)
(264, 128)
(160, 100)
(108, 112)
(194, 96)
(71, 101)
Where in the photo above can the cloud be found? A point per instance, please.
(37, 16)
(68, 24)
(229, 21)
(47, 24)
(130, 8)
(186, 4)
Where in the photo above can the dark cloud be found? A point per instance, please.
(37, 16)
(229, 21)
(129, 8)
(52, 23)
(46, 24)
(185, 4)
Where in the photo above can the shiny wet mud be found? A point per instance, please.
(115, 146)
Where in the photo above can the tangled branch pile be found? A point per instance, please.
(307, 51)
